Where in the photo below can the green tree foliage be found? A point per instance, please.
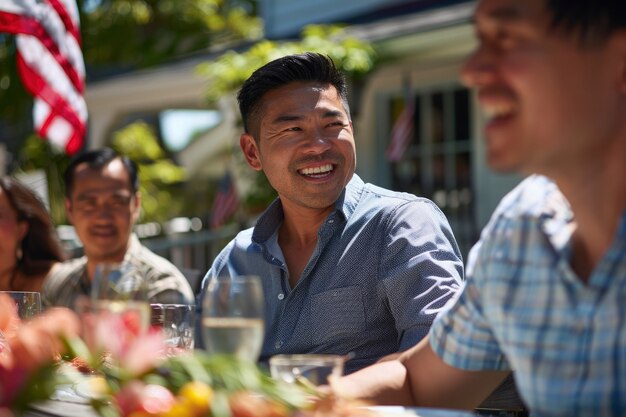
(159, 175)
(37, 154)
(140, 33)
(226, 74)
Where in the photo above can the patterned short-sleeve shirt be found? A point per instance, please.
(166, 284)
(384, 265)
(524, 308)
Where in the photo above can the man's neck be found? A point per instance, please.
(598, 199)
(93, 261)
(297, 237)
(300, 225)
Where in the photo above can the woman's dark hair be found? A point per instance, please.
(591, 20)
(282, 71)
(97, 159)
(40, 245)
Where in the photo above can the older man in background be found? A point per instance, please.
(102, 201)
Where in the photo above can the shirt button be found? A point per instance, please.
(331, 221)
(281, 296)
(278, 344)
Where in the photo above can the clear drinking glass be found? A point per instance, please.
(120, 290)
(308, 369)
(232, 316)
(28, 303)
(177, 322)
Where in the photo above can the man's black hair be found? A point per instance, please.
(282, 71)
(96, 159)
(592, 20)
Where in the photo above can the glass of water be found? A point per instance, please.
(232, 316)
(120, 290)
(176, 321)
(27, 303)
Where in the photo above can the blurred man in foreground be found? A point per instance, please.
(546, 285)
(102, 200)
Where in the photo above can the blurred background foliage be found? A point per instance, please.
(227, 73)
(124, 35)
(158, 174)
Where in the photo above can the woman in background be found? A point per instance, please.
(29, 246)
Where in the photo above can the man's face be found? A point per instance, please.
(305, 144)
(103, 209)
(551, 102)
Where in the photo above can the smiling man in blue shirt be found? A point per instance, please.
(347, 267)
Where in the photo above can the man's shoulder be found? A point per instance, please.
(241, 242)
(151, 261)
(528, 208)
(535, 196)
(63, 275)
(389, 200)
(66, 269)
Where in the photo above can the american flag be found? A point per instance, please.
(402, 132)
(50, 63)
(225, 203)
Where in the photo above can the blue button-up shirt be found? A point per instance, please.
(524, 308)
(384, 265)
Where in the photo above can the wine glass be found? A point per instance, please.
(176, 321)
(28, 303)
(232, 316)
(120, 290)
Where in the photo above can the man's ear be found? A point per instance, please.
(250, 151)
(136, 206)
(68, 210)
(22, 229)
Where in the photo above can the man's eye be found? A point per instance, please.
(504, 40)
(293, 129)
(86, 205)
(120, 202)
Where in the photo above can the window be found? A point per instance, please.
(437, 161)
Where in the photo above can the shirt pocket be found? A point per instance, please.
(337, 312)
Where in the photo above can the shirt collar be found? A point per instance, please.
(271, 219)
(134, 245)
(557, 218)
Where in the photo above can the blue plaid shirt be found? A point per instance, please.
(524, 308)
(385, 264)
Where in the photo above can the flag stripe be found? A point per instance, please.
(45, 65)
(59, 107)
(50, 63)
(401, 133)
(225, 203)
(27, 26)
(68, 22)
(37, 86)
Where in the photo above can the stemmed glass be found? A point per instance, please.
(232, 316)
(176, 321)
(120, 290)
(28, 303)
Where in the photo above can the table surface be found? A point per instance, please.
(73, 409)
(60, 409)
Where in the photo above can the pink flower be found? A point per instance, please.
(29, 346)
(139, 397)
(128, 346)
